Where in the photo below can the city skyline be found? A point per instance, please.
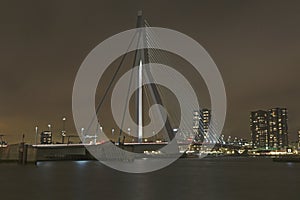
(254, 45)
(150, 99)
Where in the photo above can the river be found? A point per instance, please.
(211, 179)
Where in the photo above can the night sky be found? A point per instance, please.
(255, 45)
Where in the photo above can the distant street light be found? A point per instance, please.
(63, 131)
(36, 134)
(128, 131)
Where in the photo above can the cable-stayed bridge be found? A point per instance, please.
(145, 96)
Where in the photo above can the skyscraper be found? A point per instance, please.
(201, 121)
(299, 139)
(278, 127)
(259, 129)
(196, 125)
(269, 129)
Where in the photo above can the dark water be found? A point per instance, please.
(185, 179)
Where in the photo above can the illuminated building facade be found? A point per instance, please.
(299, 139)
(259, 129)
(196, 125)
(201, 122)
(269, 129)
(46, 137)
(278, 127)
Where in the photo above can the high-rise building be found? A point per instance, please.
(299, 139)
(196, 125)
(278, 127)
(269, 129)
(201, 121)
(259, 129)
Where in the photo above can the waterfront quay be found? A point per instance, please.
(23, 153)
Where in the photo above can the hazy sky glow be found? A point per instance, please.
(255, 45)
